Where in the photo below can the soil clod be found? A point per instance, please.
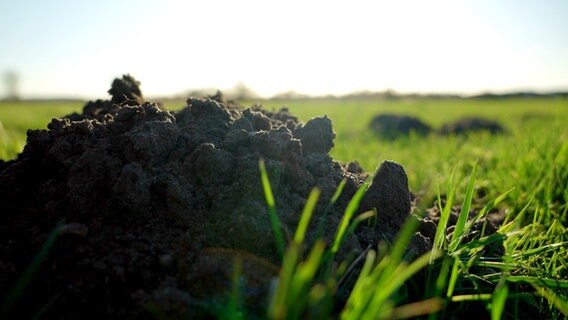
(472, 124)
(391, 126)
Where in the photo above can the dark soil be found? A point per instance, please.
(391, 126)
(156, 205)
(468, 125)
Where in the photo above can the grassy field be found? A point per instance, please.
(529, 164)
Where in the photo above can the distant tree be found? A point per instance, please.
(241, 92)
(11, 80)
(390, 94)
(289, 95)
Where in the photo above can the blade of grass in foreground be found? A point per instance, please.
(349, 211)
(235, 300)
(374, 294)
(295, 278)
(440, 236)
(419, 308)
(277, 308)
(294, 281)
(558, 302)
(278, 237)
(15, 294)
(306, 215)
(499, 299)
(334, 198)
(464, 213)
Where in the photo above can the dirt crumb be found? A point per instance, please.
(392, 126)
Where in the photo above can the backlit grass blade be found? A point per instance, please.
(416, 309)
(548, 283)
(376, 285)
(483, 212)
(306, 215)
(278, 308)
(387, 286)
(349, 211)
(233, 310)
(464, 213)
(516, 223)
(360, 218)
(545, 248)
(472, 297)
(297, 296)
(275, 222)
(359, 295)
(498, 301)
(440, 235)
(453, 278)
(443, 270)
(338, 191)
(401, 244)
(558, 302)
(22, 283)
(336, 194)
(295, 279)
(481, 243)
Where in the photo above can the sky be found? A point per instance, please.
(73, 48)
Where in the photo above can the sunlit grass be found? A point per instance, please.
(458, 273)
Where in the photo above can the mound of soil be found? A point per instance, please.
(391, 126)
(151, 206)
(468, 125)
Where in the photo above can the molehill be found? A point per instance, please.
(151, 206)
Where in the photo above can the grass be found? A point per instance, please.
(523, 174)
(17, 117)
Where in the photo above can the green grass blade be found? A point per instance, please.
(336, 194)
(442, 279)
(390, 284)
(235, 301)
(440, 235)
(359, 295)
(545, 248)
(548, 283)
(360, 218)
(338, 191)
(306, 215)
(498, 301)
(22, 283)
(464, 213)
(486, 209)
(275, 222)
(401, 244)
(481, 243)
(419, 308)
(298, 295)
(516, 223)
(453, 278)
(558, 302)
(345, 220)
(502, 197)
(278, 308)
(472, 297)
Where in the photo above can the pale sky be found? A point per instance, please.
(75, 48)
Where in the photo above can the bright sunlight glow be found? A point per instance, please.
(75, 48)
